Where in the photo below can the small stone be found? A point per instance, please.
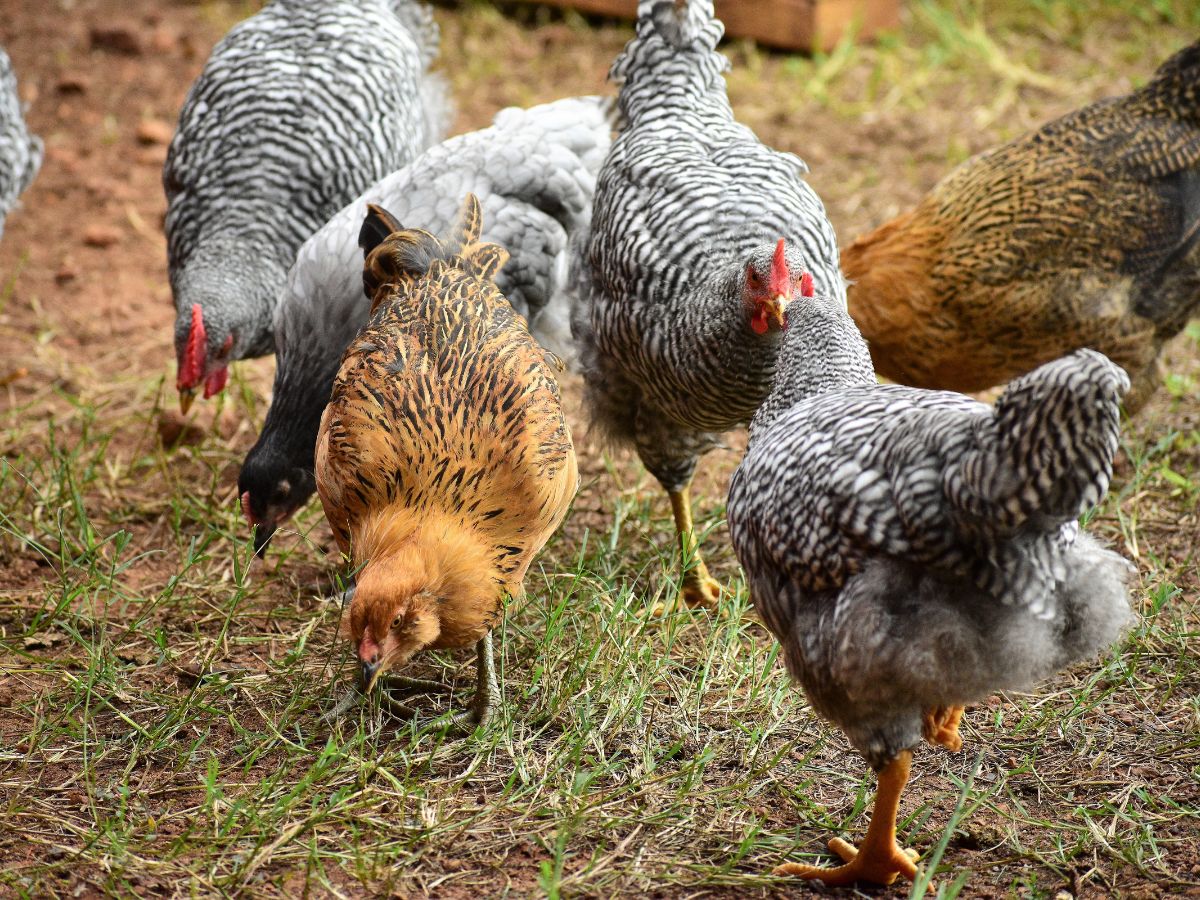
(73, 83)
(152, 156)
(117, 37)
(174, 430)
(66, 273)
(154, 131)
(101, 235)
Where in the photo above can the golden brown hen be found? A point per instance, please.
(443, 462)
(1081, 234)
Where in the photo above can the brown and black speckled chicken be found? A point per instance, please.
(914, 551)
(444, 462)
(1085, 233)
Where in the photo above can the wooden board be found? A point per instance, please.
(792, 24)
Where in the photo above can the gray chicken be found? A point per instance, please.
(298, 109)
(914, 551)
(534, 172)
(700, 234)
(20, 151)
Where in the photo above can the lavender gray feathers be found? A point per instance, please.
(913, 549)
(534, 172)
(20, 151)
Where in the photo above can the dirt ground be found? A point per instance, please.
(86, 312)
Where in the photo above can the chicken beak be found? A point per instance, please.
(262, 538)
(185, 400)
(368, 674)
(776, 309)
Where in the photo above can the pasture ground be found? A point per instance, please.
(166, 697)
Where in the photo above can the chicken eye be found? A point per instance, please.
(753, 278)
(397, 622)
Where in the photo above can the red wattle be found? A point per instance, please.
(807, 288)
(191, 369)
(215, 382)
(758, 322)
(781, 278)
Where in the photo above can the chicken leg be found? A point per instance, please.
(879, 859)
(700, 590)
(487, 689)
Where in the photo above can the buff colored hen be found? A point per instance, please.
(444, 462)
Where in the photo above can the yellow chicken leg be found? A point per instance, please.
(879, 859)
(940, 727)
(700, 590)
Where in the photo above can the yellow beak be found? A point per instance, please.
(776, 309)
(185, 400)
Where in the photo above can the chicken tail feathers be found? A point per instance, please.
(393, 253)
(1176, 84)
(675, 44)
(1048, 448)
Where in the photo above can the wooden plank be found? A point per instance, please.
(791, 24)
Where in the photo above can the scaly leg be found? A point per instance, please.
(940, 727)
(487, 688)
(700, 590)
(879, 859)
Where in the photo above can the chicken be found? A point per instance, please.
(280, 117)
(1085, 233)
(444, 462)
(699, 236)
(20, 151)
(915, 551)
(534, 172)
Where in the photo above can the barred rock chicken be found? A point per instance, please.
(914, 551)
(699, 236)
(20, 151)
(534, 172)
(299, 107)
(444, 462)
(1085, 233)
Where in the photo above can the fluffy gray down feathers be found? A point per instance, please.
(20, 151)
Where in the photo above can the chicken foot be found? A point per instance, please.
(940, 727)
(700, 590)
(879, 859)
(487, 689)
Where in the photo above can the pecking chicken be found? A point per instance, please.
(301, 107)
(443, 462)
(699, 237)
(1085, 233)
(914, 551)
(20, 151)
(534, 172)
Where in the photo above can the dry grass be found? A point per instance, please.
(167, 731)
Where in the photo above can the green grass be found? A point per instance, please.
(169, 699)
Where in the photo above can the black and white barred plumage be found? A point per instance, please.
(298, 109)
(917, 549)
(687, 202)
(534, 172)
(20, 151)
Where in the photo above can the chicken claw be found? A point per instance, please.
(940, 727)
(879, 859)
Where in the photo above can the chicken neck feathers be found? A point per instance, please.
(20, 151)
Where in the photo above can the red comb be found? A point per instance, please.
(191, 369)
(780, 277)
(807, 288)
